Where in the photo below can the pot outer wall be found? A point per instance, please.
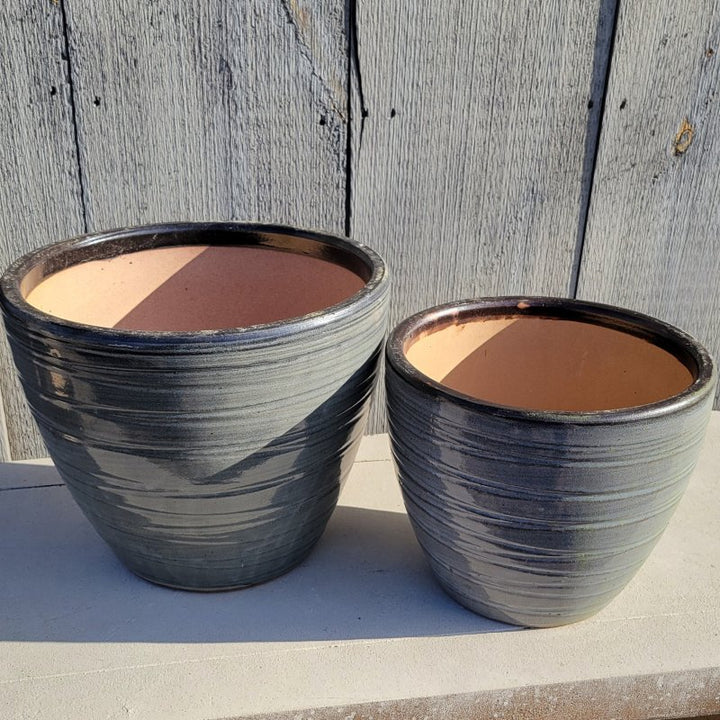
(532, 522)
(210, 463)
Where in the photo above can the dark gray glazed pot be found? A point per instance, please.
(206, 459)
(530, 516)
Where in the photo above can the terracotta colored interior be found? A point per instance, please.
(548, 364)
(194, 287)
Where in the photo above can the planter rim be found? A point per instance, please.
(667, 336)
(143, 237)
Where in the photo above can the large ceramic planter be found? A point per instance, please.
(542, 446)
(201, 388)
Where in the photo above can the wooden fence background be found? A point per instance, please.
(484, 147)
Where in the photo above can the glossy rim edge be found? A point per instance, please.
(188, 233)
(666, 336)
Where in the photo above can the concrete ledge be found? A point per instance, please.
(359, 630)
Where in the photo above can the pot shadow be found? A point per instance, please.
(264, 285)
(367, 578)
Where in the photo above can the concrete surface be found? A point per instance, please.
(359, 630)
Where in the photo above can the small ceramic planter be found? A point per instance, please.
(201, 388)
(542, 446)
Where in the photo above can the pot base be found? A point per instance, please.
(225, 587)
(526, 619)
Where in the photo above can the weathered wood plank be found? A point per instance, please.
(468, 170)
(652, 232)
(212, 110)
(40, 192)
(216, 111)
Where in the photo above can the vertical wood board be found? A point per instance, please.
(467, 173)
(652, 239)
(210, 111)
(40, 192)
(206, 112)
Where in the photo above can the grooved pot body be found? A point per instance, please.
(530, 516)
(206, 458)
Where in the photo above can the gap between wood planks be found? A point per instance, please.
(353, 73)
(602, 60)
(67, 57)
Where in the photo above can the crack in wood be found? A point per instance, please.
(353, 71)
(296, 18)
(600, 81)
(73, 113)
(354, 59)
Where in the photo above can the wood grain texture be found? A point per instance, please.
(651, 242)
(40, 192)
(213, 111)
(216, 110)
(468, 170)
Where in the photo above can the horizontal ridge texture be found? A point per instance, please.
(532, 522)
(207, 461)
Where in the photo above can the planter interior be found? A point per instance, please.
(548, 363)
(194, 287)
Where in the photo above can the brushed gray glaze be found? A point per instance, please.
(207, 460)
(540, 518)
